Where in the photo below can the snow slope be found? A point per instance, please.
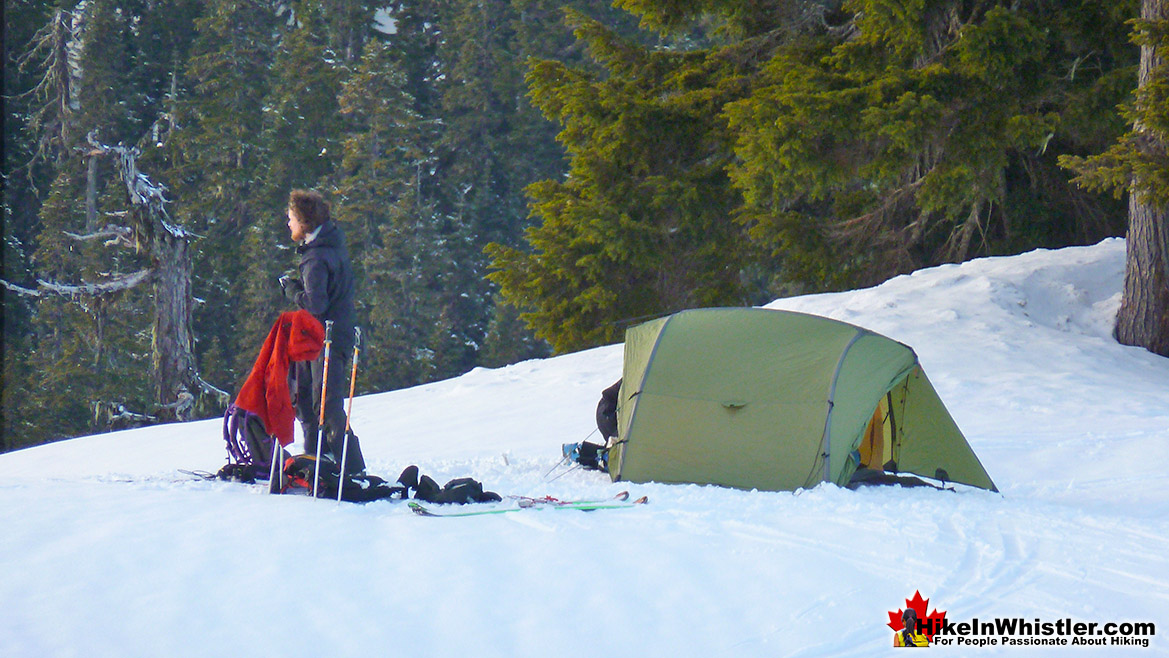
(109, 550)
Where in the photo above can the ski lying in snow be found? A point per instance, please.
(620, 501)
(528, 501)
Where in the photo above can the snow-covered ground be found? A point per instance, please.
(107, 549)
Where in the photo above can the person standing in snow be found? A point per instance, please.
(325, 289)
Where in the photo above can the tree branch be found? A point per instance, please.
(49, 51)
(114, 412)
(115, 284)
(115, 235)
(141, 190)
(183, 405)
(207, 387)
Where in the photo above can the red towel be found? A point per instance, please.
(296, 336)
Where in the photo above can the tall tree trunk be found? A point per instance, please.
(1143, 319)
(91, 193)
(175, 372)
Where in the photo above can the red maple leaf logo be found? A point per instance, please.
(929, 623)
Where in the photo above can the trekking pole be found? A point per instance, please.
(349, 411)
(324, 390)
(276, 476)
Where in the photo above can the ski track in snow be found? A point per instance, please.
(109, 550)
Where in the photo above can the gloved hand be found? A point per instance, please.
(291, 287)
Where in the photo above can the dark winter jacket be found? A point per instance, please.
(327, 277)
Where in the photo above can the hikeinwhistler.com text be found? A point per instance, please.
(1016, 631)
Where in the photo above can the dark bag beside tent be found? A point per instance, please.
(607, 412)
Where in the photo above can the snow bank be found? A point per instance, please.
(109, 550)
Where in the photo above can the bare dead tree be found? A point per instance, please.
(53, 95)
(147, 228)
(177, 380)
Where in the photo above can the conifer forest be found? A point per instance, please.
(518, 178)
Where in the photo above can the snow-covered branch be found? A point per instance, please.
(182, 407)
(207, 387)
(115, 284)
(111, 234)
(139, 188)
(116, 414)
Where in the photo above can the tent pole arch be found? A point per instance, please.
(827, 440)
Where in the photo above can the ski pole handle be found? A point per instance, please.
(353, 376)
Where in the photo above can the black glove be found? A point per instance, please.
(291, 287)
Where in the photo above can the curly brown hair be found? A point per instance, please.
(310, 207)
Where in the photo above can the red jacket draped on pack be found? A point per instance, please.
(296, 336)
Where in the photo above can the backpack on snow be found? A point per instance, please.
(459, 491)
(300, 470)
(589, 455)
(249, 446)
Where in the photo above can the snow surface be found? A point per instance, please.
(109, 550)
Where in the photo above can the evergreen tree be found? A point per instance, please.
(88, 352)
(509, 340)
(381, 208)
(1138, 164)
(863, 138)
(300, 120)
(479, 103)
(89, 357)
(928, 134)
(300, 144)
(348, 27)
(32, 94)
(110, 97)
(640, 226)
(215, 156)
(508, 144)
(481, 83)
(418, 33)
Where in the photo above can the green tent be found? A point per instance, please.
(775, 400)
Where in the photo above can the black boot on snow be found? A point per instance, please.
(427, 489)
(409, 477)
